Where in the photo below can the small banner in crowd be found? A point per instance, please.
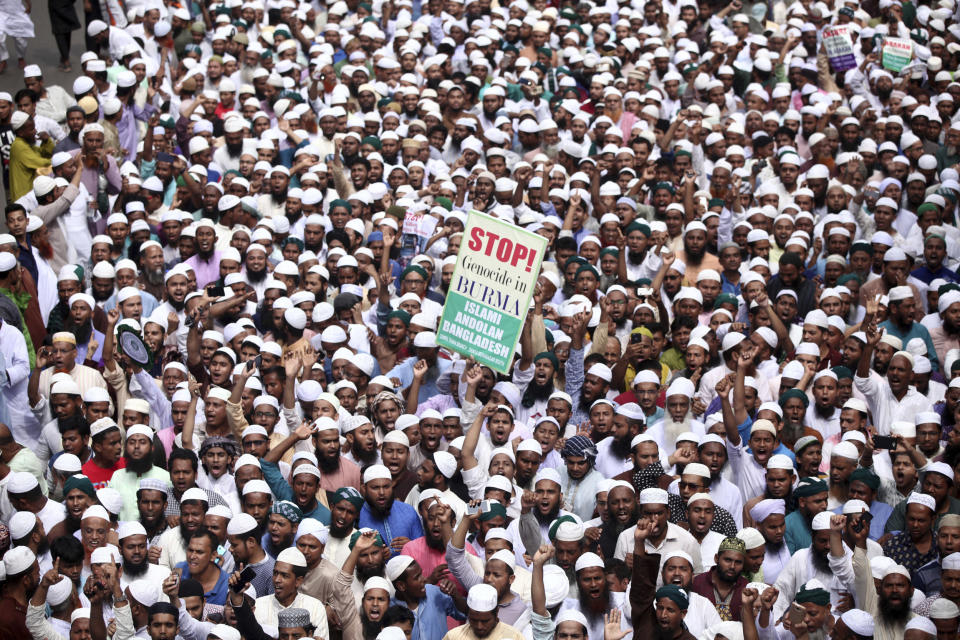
(896, 53)
(839, 46)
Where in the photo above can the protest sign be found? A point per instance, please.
(896, 53)
(490, 291)
(839, 47)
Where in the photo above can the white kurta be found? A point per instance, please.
(16, 22)
(15, 362)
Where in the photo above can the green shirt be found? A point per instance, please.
(126, 482)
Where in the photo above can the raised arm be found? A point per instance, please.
(189, 425)
(730, 423)
(303, 432)
(538, 593)
(472, 437)
(744, 362)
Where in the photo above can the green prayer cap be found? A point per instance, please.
(675, 593)
(809, 487)
(867, 477)
(794, 393)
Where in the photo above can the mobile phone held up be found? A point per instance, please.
(246, 577)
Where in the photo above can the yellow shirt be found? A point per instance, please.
(25, 159)
(501, 632)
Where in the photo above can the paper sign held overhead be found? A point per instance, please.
(490, 291)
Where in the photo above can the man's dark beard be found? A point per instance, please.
(340, 532)
(83, 333)
(177, 305)
(820, 561)
(72, 524)
(370, 629)
(141, 466)
(328, 465)
(823, 412)
(547, 518)
(366, 458)
(435, 543)
(950, 328)
(135, 570)
(773, 546)
(383, 514)
(155, 527)
(276, 549)
(694, 256)
(621, 446)
(583, 402)
(881, 367)
(278, 199)
(536, 392)
(154, 276)
(101, 297)
(593, 609)
(613, 525)
(256, 276)
(205, 255)
(366, 574)
(184, 533)
(635, 258)
(234, 150)
(884, 94)
(893, 613)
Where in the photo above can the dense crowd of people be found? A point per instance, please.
(733, 410)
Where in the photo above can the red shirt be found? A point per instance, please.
(99, 476)
(13, 620)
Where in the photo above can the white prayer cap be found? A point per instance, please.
(18, 560)
(859, 622)
(376, 472)
(292, 556)
(845, 449)
(483, 597)
(588, 560)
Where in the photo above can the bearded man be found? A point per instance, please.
(678, 419)
(614, 453)
(152, 270)
(536, 384)
(138, 455)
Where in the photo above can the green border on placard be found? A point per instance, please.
(510, 326)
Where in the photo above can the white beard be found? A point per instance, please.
(671, 429)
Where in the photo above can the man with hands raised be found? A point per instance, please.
(657, 613)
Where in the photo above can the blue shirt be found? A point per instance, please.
(428, 388)
(430, 618)
(881, 512)
(728, 287)
(218, 595)
(916, 330)
(744, 430)
(797, 533)
(402, 522)
(927, 276)
(146, 299)
(283, 491)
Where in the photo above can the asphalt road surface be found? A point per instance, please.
(42, 50)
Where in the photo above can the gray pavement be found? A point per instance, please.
(42, 50)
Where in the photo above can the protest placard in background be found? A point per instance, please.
(839, 47)
(896, 53)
